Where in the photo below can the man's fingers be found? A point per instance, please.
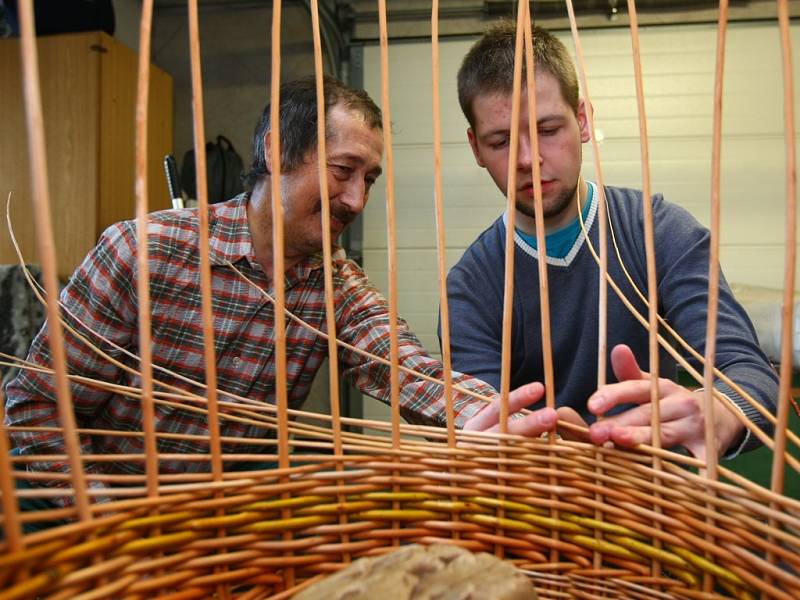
(626, 436)
(671, 408)
(569, 415)
(624, 364)
(627, 392)
(521, 397)
(525, 395)
(534, 424)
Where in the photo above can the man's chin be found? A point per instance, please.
(552, 206)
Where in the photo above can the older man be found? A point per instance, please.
(102, 296)
(475, 284)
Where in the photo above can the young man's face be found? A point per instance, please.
(354, 157)
(561, 134)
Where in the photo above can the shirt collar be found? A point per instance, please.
(229, 239)
(228, 232)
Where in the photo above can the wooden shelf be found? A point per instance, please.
(88, 83)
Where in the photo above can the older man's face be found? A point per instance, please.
(354, 151)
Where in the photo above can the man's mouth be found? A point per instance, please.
(340, 222)
(527, 188)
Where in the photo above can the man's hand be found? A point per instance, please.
(682, 416)
(533, 424)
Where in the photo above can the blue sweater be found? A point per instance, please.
(475, 293)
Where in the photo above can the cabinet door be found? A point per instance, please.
(118, 76)
(69, 75)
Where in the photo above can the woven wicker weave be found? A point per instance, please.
(581, 521)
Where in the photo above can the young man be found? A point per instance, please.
(102, 295)
(475, 284)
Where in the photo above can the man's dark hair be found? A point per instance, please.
(488, 67)
(298, 121)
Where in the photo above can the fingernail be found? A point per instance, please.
(597, 403)
(547, 419)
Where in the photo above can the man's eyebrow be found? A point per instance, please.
(555, 118)
(550, 118)
(493, 132)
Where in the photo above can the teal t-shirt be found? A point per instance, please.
(560, 241)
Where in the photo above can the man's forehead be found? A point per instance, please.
(358, 146)
(493, 113)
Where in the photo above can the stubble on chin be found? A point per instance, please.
(556, 207)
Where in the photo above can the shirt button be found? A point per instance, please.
(237, 360)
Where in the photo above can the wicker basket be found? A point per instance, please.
(583, 522)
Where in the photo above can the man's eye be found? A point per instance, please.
(499, 144)
(341, 171)
(548, 131)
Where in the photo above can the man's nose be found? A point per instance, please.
(524, 154)
(353, 197)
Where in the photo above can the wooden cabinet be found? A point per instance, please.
(88, 83)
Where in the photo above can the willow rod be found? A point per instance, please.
(207, 309)
(713, 261)
(206, 306)
(713, 266)
(46, 246)
(602, 260)
(790, 244)
(541, 242)
(508, 282)
(650, 252)
(278, 262)
(142, 257)
(281, 398)
(441, 247)
(327, 242)
(544, 288)
(391, 225)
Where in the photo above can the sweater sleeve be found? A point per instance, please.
(475, 323)
(683, 293)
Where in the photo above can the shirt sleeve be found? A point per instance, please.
(363, 322)
(683, 293)
(98, 298)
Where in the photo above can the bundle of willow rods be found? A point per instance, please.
(582, 521)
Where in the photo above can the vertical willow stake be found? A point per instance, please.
(650, 251)
(790, 262)
(142, 257)
(47, 253)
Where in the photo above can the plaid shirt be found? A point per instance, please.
(102, 294)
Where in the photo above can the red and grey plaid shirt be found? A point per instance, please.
(102, 294)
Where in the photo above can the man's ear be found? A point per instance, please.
(583, 121)
(473, 143)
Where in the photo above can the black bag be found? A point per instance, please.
(60, 16)
(224, 169)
